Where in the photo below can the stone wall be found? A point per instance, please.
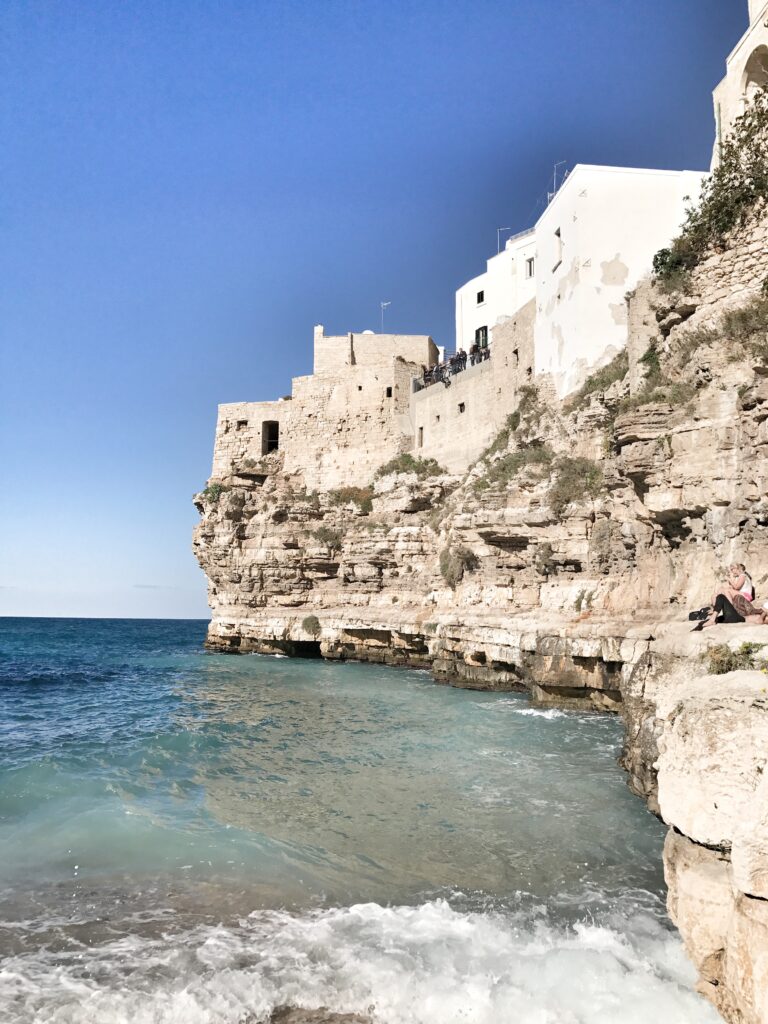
(334, 353)
(239, 432)
(343, 427)
(455, 424)
(730, 277)
(342, 422)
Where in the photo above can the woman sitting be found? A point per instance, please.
(733, 601)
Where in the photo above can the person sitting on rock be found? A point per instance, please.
(737, 581)
(733, 602)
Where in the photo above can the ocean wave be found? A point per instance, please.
(429, 964)
(549, 714)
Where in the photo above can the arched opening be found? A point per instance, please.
(270, 436)
(755, 74)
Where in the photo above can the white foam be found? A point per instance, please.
(416, 965)
(550, 713)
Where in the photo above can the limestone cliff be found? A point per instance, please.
(564, 561)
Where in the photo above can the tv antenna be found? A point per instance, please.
(383, 307)
(551, 195)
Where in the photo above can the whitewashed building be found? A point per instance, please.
(746, 72)
(507, 284)
(592, 244)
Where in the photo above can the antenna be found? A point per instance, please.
(383, 307)
(551, 195)
(498, 238)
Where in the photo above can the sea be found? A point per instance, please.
(198, 838)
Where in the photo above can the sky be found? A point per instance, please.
(188, 186)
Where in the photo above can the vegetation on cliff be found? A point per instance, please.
(599, 381)
(407, 463)
(454, 562)
(733, 194)
(574, 479)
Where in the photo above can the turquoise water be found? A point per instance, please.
(197, 838)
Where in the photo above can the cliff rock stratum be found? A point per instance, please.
(557, 548)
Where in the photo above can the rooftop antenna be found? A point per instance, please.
(498, 238)
(383, 307)
(551, 195)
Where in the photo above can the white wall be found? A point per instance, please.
(505, 287)
(756, 7)
(611, 222)
(746, 69)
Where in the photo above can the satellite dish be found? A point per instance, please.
(369, 332)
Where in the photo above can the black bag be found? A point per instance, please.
(702, 613)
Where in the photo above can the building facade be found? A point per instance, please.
(746, 73)
(594, 242)
(341, 422)
(506, 286)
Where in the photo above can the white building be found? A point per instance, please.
(594, 242)
(592, 245)
(746, 72)
(507, 284)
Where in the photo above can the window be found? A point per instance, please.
(462, 407)
(558, 250)
(530, 266)
(389, 392)
(270, 436)
(242, 424)
(481, 337)
(359, 387)
(421, 437)
(437, 417)
(480, 298)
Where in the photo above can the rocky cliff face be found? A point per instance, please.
(560, 563)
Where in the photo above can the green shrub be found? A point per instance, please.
(214, 491)
(436, 517)
(406, 463)
(650, 359)
(360, 496)
(454, 562)
(311, 625)
(599, 381)
(573, 480)
(529, 405)
(329, 537)
(748, 327)
(676, 394)
(688, 342)
(504, 470)
(672, 276)
(500, 442)
(655, 387)
(736, 188)
(722, 659)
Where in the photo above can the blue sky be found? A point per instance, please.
(187, 187)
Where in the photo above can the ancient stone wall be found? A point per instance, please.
(728, 278)
(239, 432)
(341, 423)
(333, 353)
(455, 424)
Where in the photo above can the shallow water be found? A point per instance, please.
(188, 837)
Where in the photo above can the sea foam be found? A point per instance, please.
(429, 964)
